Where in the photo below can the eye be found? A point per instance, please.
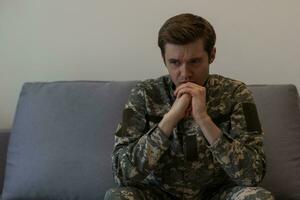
(174, 62)
(195, 61)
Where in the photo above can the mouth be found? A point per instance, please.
(182, 82)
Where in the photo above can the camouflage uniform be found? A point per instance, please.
(149, 165)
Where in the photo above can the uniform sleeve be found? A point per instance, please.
(138, 147)
(240, 151)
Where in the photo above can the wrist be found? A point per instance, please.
(167, 124)
(203, 119)
(210, 131)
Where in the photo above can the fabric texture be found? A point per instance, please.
(144, 155)
(45, 112)
(60, 145)
(154, 193)
(279, 112)
(4, 136)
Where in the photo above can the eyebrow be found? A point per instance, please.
(191, 59)
(172, 59)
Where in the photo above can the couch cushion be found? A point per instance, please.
(4, 136)
(61, 141)
(278, 108)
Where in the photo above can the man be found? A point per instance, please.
(189, 134)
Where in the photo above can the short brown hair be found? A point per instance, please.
(186, 28)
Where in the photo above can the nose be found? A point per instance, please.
(185, 72)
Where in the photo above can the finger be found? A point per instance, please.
(185, 91)
(178, 89)
(187, 85)
(182, 86)
(183, 102)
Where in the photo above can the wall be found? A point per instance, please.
(48, 40)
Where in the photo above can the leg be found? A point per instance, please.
(121, 193)
(246, 193)
(134, 193)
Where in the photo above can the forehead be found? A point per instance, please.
(193, 49)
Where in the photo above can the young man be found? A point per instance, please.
(189, 134)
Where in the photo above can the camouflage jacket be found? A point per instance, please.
(184, 164)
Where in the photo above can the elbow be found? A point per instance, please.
(252, 176)
(248, 182)
(126, 174)
(128, 177)
(250, 179)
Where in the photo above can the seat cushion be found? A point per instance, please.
(62, 138)
(278, 108)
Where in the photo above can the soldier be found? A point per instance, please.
(189, 134)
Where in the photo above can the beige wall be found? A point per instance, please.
(46, 40)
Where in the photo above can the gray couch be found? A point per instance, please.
(61, 141)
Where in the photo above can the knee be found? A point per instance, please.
(122, 193)
(254, 193)
(109, 194)
(263, 194)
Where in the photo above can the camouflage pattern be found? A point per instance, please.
(152, 193)
(184, 165)
(132, 193)
(244, 193)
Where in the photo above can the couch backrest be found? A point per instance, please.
(278, 108)
(88, 93)
(64, 129)
(4, 136)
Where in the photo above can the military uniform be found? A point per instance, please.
(149, 165)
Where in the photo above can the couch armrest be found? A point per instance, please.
(4, 137)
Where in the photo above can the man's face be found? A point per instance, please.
(188, 63)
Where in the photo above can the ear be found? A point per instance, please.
(212, 55)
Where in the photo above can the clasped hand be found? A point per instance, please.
(190, 100)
